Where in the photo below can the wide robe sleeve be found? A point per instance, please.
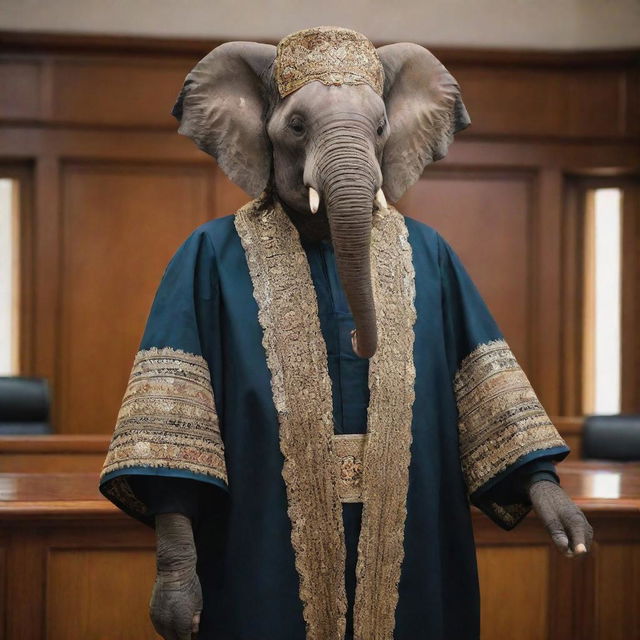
(168, 424)
(502, 427)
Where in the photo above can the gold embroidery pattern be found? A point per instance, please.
(119, 492)
(390, 414)
(167, 419)
(500, 417)
(349, 451)
(301, 388)
(331, 55)
(319, 466)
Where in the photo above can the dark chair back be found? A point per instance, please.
(24, 406)
(611, 438)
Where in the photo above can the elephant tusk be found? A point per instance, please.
(381, 200)
(314, 200)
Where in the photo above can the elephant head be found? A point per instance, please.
(331, 124)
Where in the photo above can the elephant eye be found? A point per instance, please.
(380, 129)
(297, 126)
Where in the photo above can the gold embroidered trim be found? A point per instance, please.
(120, 492)
(168, 417)
(301, 388)
(390, 414)
(349, 451)
(500, 418)
(331, 55)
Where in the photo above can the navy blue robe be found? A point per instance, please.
(200, 409)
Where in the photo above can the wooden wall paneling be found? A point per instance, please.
(3, 585)
(537, 101)
(546, 596)
(575, 598)
(137, 91)
(62, 539)
(590, 113)
(60, 582)
(563, 596)
(25, 579)
(566, 156)
(86, 596)
(612, 578)
(486, 216)
(53, 454)
(52, 462)
(527, 588)
(26, 310)
(121, 225)
(130, 91)
(22, 83)
(81, 584)
(47, 229)
(630, 335)
(632, 110)
(120, 145)
(570, 428)
(516, 607)
(572, 296)
(20, 42)
(617, 591)
(546, 240)
(587, 316)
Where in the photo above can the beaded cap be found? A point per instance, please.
(332, 55)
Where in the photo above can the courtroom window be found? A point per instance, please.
(9, 275)
(602, 302)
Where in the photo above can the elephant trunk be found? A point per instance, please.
(348, 177)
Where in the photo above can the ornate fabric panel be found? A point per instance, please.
(168, 417)
(331, 55)
(348, 452)
(390, 414)
(500, 416)
(301, 389)
(320, 469)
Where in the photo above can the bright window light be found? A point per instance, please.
(603, 301)
(8, 276)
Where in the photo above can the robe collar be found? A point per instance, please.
(301, 388)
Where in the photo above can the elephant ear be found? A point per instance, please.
(424, 109)
(222, 106)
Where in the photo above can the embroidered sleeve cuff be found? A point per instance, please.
(507, 507)
(167, 426)
(502, 425)
(121, 488)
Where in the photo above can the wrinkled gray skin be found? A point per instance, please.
(176, 600)
(566, 524)
(346, 142)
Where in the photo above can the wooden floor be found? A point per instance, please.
(76, 568)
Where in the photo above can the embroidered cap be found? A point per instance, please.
(332, 55)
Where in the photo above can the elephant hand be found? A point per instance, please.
(565, 522)
(176, 599)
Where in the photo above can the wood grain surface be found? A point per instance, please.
(97, 564)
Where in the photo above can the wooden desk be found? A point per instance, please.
(527, 585)
(77, 568)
